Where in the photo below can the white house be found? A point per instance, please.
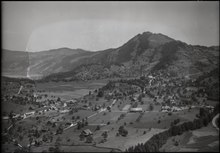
(64, 111)
(136, 109)
(30, 113)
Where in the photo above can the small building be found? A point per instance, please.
(136, 109)
(87, 132)
(64, 111)
(16, 116)
(30, 113)
(5, 117)
(151, 77)
(73, 101)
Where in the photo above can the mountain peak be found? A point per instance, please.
(147, 33)
(153, 39)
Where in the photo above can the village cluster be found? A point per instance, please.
(116, 109)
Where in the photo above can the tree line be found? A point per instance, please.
(158, 140)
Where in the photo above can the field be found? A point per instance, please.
(201, 140)
(69, 148)
(93, 110)
(16, 108)
(68, 90)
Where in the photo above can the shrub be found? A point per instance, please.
(158, 121)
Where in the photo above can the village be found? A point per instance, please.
(137, 108)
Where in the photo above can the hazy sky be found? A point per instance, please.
(37, 26)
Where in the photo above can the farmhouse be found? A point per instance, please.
(64, 111)
(136, 110)
(87, 132)
(30, 113)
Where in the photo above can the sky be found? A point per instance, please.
(38, 26)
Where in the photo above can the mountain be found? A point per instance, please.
(14, 63)
(39, 64)
(143, 54)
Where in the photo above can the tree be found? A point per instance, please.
(105, 134)
(71, 112)
(151, 107)
(176, 143)
(81, 137)
(100, 94)
(122, 131)
(158, 121)
(59, 130)
(58, 141)
(140, 98)
(89, 139)
(97, 128)
(79, 125)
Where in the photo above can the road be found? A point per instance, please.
(214, 122)
(101, 110)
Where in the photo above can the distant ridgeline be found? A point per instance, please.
(143, 54)
(18, 80)
(158, 140)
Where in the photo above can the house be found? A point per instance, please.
(71, 101)
(151, 77)
(87, 132)
(126, 107)
(16, 116)
(64, 111)
(30, 113)
(5, 117)
(136, 109)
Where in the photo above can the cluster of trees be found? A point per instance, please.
(122, 131)
(156, 142)
(48, 137)
(81, 124)
(151, 107)
(121, 117)
(175, 122)
(89, 138)
(100, 93)
(59, 130)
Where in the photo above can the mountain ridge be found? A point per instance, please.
(140, 55)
